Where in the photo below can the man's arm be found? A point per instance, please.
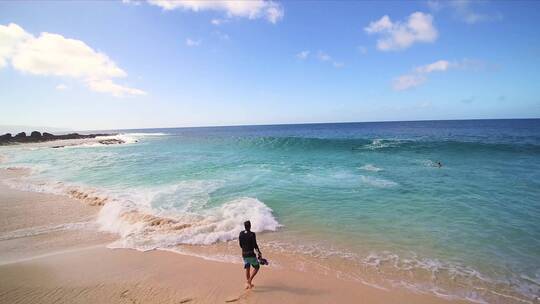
(256, 246)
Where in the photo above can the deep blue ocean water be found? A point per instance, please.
(373, 190)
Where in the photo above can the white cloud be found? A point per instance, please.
(132, 2)
(54, 55)
(441, 66)
(408, 81)
(322, 56)
(108, 86)
(10, 37)
(401, 35)
(419, 75)
(61, 87)
(218, 21)
(302, 55)
(191, 43)
(463, 10)
(271, 11)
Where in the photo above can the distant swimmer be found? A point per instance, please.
(438, 164)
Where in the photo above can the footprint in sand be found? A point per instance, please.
(124, 294)
(243, 295)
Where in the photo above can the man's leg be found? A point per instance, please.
(253, 274)
(247, 276)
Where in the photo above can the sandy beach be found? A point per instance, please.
(51, 251)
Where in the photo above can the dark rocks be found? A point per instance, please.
(5, 137)
(35, 136)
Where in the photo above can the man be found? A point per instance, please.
(248, 243)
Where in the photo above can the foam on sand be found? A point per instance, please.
(33, 231)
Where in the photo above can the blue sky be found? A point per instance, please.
(138, 64)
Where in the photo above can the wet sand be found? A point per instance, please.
(51, 251)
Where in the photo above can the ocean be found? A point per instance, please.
(366, 198)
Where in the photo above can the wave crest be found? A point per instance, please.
(142, 230)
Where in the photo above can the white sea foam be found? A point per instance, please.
(146, 134)
(164, 216)
(227, 258)
(127, 138)
(381, 144)
(370, 167)
(33, 231)
(138, 229)
(377, 182)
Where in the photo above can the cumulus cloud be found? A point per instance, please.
(320, 56)
(191, 43)
(419, 75)
(463, 10)
(10, 37)
(324, 57)
(408, 81)
(54, 55)
(108, 86)
(400, 35)
(302, 55)
(269, 10)
(441, 66)
(218, 21)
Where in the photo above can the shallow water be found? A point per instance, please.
(369, 195)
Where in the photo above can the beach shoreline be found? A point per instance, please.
(64, 264)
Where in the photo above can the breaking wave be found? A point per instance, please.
(165, 216)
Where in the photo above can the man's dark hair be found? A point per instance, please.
(247, 225)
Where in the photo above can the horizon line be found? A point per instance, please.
(309, 123)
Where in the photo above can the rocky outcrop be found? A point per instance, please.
(36, 136)
(5, 137)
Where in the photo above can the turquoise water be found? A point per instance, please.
(371, 189)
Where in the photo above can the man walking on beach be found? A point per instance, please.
(248, 243)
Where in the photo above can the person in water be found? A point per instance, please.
(248, 243)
